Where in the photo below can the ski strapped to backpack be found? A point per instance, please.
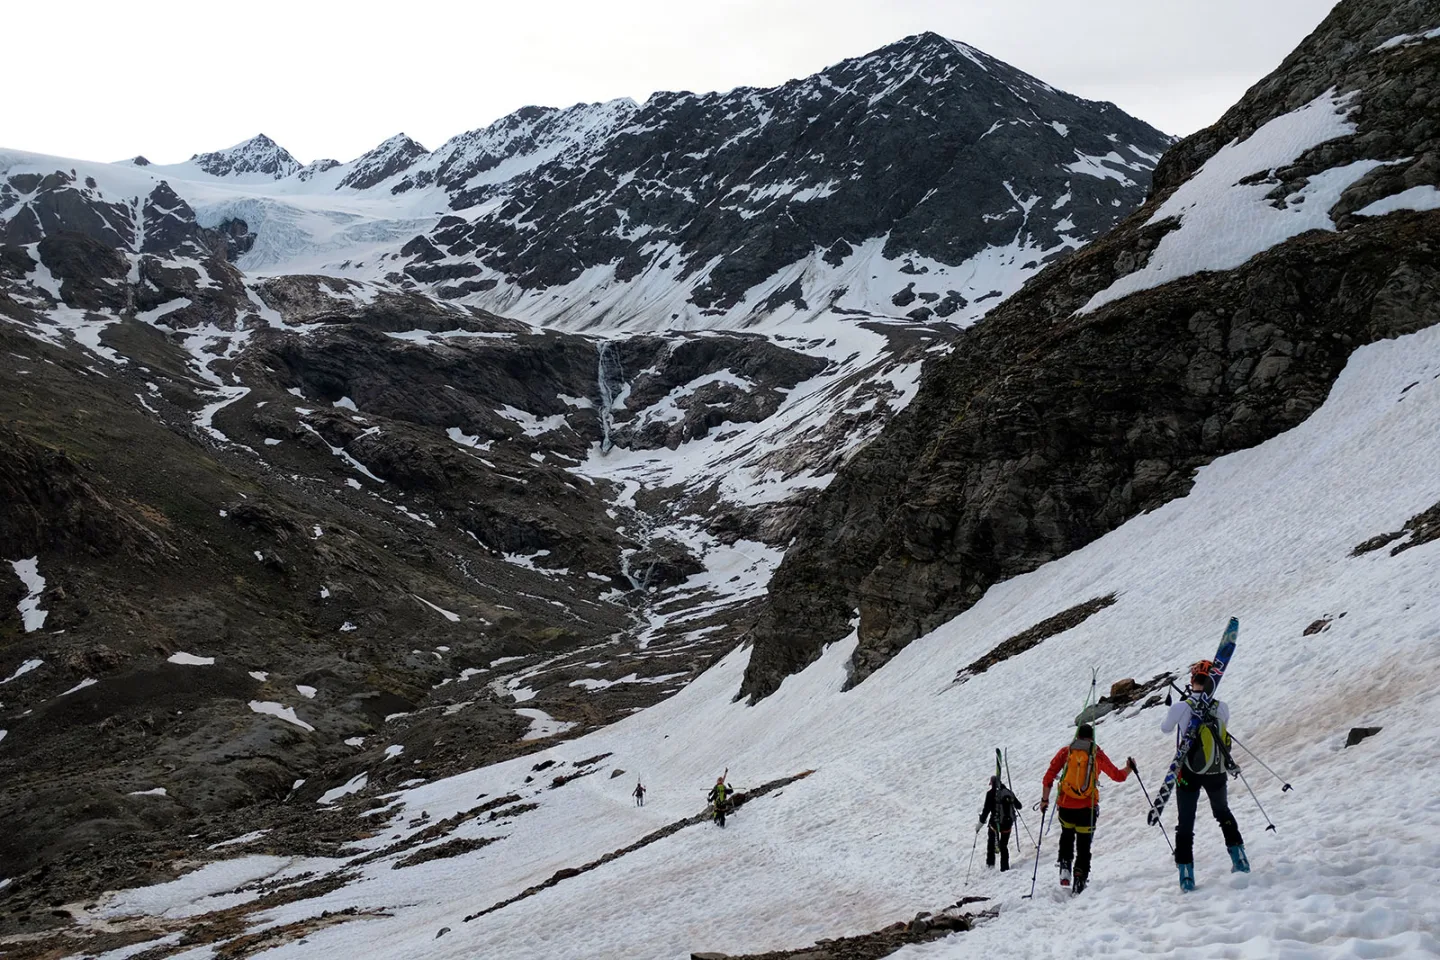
(1198, 712)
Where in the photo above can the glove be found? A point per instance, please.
(1130, 763)
(978, 825)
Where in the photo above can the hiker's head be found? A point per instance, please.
(720, 779)
(1085, 732)
(994, 780)
(1201, 683)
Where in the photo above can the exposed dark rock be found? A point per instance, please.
(1360, 733)
(1420, 529)
(1034, 636)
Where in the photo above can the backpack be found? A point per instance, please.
(1212, 741)
(1079, 779)
(1005, 807)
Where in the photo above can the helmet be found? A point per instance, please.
(1200, 675)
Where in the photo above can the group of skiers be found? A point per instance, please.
(1078, 764)
(1202, 763)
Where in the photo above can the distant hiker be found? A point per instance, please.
(720, 795)
(639, 794)
(1205, 765)
(1000, 807)
(1079, 800)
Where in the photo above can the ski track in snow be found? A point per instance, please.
(880, 830)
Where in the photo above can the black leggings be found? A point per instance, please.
(1187, 799)
(1002, 837)
(1077, 829)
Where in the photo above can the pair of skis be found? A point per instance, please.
(1200, 705)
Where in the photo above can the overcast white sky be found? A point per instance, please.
(105, 81)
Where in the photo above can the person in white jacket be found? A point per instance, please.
(1204, 767)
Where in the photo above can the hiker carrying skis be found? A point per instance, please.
(720, 795)
(1205, 766)
(639, 794)
(1000, 807)
(1079, 799)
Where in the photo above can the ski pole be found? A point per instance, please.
(1011, 784)
(1284, 786)
(973, 845)
(1035, 875)
(1268, 824)
(1152, 806)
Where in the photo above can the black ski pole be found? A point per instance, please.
(972, 858)
(1152, 806)
(1284, 786)
(1034, 876)
(1268, 824)
(1011, 784)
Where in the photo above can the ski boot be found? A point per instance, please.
(1239, 863)
(1187, 876)
(1078, 886)
(1065, 875)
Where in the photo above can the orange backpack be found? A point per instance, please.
(1079, 779)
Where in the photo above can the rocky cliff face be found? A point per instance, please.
(1095, 393)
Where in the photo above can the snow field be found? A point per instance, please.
(1223, 223)
(882, 828)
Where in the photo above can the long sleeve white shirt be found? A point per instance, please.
(1179, 714)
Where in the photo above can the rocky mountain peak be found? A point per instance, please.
(259, 155)
(383, 162)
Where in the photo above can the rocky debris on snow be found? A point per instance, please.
(925, 926)
(741, 798)
(1030, 638)
(1420, 529)
(1124, 693)
(1360, 733)
(1317, 626)
(450, 848)
(437, 830)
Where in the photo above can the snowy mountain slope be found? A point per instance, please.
(1215, 317)
(880, 828)
(698, 211)
(758, 200)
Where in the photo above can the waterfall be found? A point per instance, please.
(609, 375)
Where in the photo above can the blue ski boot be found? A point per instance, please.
(1187, 876)
(1239, 863)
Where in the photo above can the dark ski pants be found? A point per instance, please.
(1001, 837)
(1077, 828)
(1187, 799)
(639, 801)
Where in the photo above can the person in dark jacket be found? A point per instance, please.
(1000, 808)
(639, 794)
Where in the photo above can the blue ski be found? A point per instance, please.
(1217, 670)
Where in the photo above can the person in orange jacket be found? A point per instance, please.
(1079, 799)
